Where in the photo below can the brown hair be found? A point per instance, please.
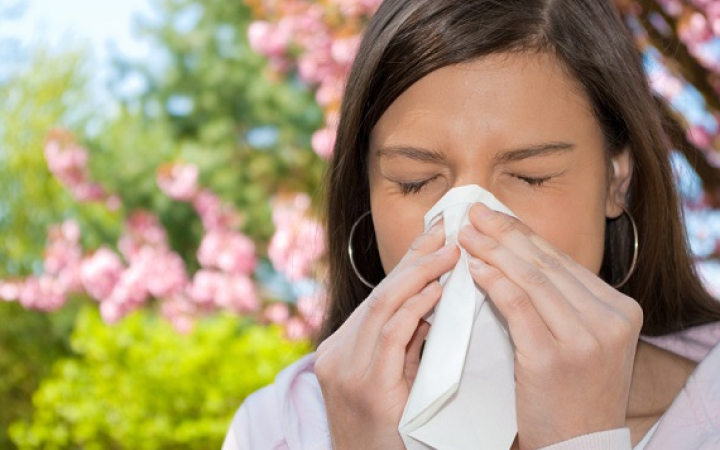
(408, 39)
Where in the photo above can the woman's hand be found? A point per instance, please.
(575, 336)
(366, 368)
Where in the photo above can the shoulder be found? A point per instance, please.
(288, 414)
(693, 420)
(694, 343)
(254, 424)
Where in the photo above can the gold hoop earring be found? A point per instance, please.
(350, 252)
(636, 248)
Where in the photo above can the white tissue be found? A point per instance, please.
(464, 393)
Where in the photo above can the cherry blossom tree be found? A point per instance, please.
(314, 42)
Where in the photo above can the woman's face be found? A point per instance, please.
(514, 124)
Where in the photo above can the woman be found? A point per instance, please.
(544, 104)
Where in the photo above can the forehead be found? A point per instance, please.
(499, 100)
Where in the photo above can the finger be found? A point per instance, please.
(397, 333)
(407, 281)
(414, 348)
(571, 277)
(518, 238)
(592, 282)
(428, 243)
(393, 292)
(556, 311)
(527, 328)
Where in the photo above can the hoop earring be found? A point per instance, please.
(350, 252)
(636, 245)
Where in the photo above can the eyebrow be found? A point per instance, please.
(517, 154)
(503, 157)
(418, 154)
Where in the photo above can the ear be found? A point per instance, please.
(619, 183)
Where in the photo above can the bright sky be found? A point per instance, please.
(97, 22)
(57, 25)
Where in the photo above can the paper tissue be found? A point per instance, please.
(464, 393)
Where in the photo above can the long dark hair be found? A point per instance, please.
(408, 39)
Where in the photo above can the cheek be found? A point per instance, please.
(395, 230)
(576, 230)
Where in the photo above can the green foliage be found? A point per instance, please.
(140, 385)
(45, 95)
(213, 92)
(30, 341)
(125, 158)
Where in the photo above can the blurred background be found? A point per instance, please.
(161, 162)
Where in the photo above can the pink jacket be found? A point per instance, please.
(290, 413)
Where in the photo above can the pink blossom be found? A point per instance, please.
(166, 274)
(213, 214)
(69, 279)
(111, 312)
(694, 29)
(43, 293)
(268, 39)
(286, 209)
(237, 294)
(309, 28)
(312, 309)
(178, 181)
(113, 202)
(70, 231)
(204, 287)
(298, 241)
(277, 313)
(296, 329)
(141, 228)
(180, 313)
(68, 163)
(316, 65)
(349, 8)
(88, 192)
(673, 7)
(146, 227)
(323, 142)
(699, 136)
(130, 291)
(713, 14)
(209, 208)
(100, 273)
(229, 251)
(330, 91)
(63, 256)
(343, 50)
(10, 291)
(358, 7)
(58, 257)
(371, 5)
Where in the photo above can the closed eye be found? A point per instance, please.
(536, 182)
(413, 187)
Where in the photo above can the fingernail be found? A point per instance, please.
(468, 233)
(476, 265)
(437, 226)
(483, 212)
(447, 248)
(430, 286)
